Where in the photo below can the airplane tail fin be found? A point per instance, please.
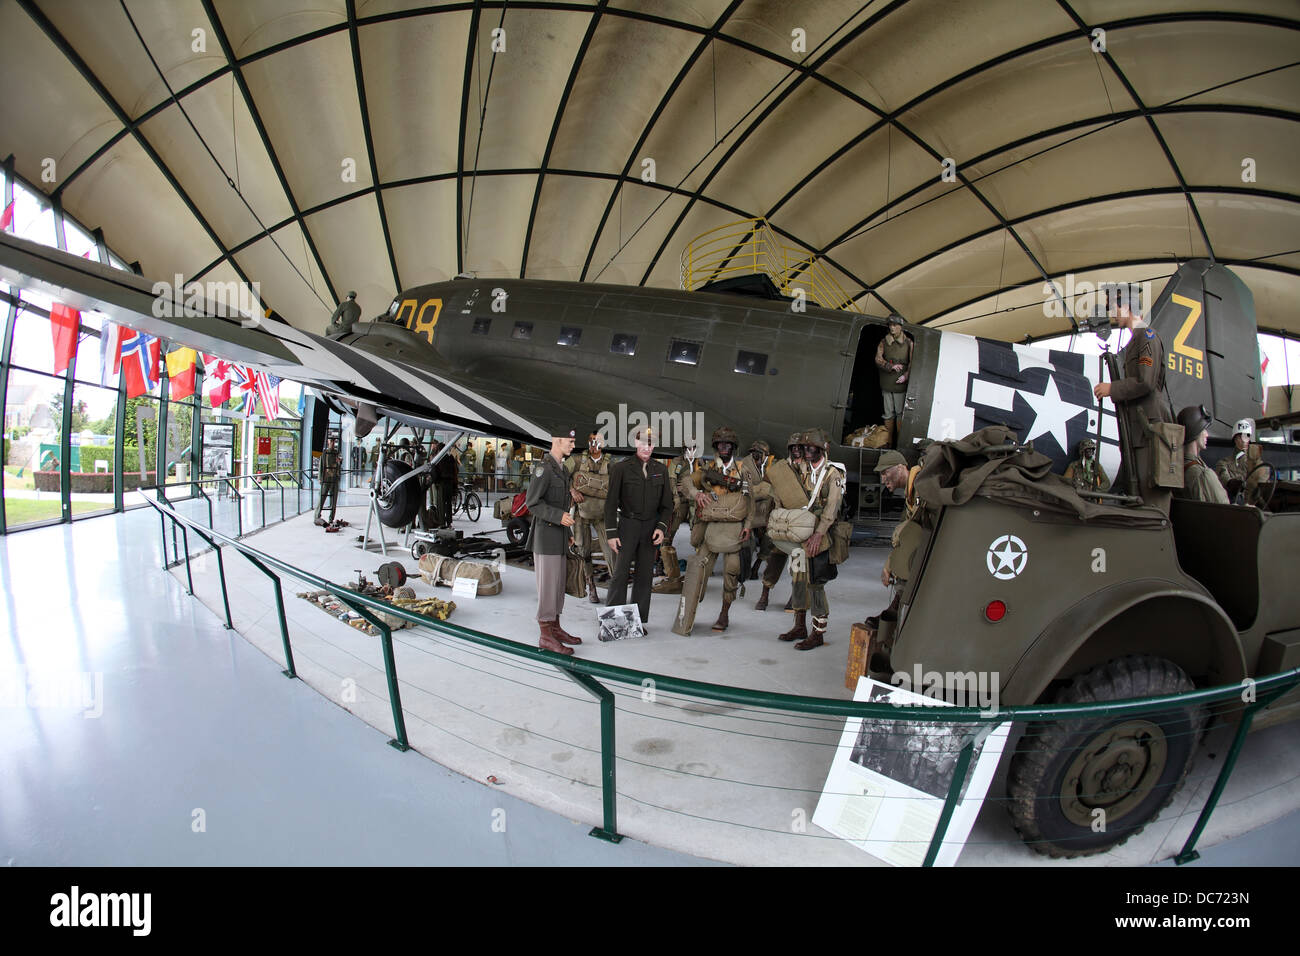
(1205, 316)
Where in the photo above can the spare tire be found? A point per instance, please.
(397, 507)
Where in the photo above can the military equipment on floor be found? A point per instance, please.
(391, 574)
(438, 569)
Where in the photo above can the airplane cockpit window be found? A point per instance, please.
(751, 363)
(392, 309)
(569, 335)
(684, 353)
(523, 330)
(623, 344)
(481, 326)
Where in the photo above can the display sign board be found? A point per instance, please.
(264, 444)
(215, 435)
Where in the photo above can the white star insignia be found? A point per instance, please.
(1051, 414)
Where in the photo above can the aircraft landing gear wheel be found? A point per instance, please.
(397, 506)
(517, 530)
(1084, 786)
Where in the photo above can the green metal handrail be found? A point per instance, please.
(584, 672)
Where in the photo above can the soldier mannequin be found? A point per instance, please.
(329, 479)
(754, 471)
(1139, 398)
(810, 567)
(591, 513)
(1086, 471)
(636, 519)
(776, 559)
(345, 316)
(681, 467)
(1244, 458)
(1199, 483)
(707, 490)
(548, 539)
(894, 474)
(894, 361)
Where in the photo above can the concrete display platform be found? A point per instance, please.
(700, 777)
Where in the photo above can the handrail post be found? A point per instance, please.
(390, 671)
(609, 790)
(185, 536)
(221, 571)
(950, 803)
(1188, 853)
(289, 670)
(281, 484)
(162, 527)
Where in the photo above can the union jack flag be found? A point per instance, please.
(268, 390)
(241, 378)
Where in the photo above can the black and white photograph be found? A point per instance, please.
(218, 436)
(217, 460)
(619, 622)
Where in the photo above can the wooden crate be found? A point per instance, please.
(856, 666)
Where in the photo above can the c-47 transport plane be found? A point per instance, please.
(515, 358)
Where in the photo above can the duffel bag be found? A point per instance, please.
(841, 535)
(501, 508)
(575, 576)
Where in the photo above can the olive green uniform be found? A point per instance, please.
(777, 559)
(590, 518)
(1139, 398)
(811, 574)
(681, 510)
(893, 351)
(701, 563)
(548, 502)
(1200, 484)
(329, 482)
(1087, 474)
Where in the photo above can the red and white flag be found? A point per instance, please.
(65, 325)
(7, 218)
(110, 352)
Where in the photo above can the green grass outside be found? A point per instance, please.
(26, 510)
(13, 481)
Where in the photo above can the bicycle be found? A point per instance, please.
(467, 501)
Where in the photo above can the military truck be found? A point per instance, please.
(1122, 603)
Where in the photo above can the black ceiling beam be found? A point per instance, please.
(64, 47)
(700, 47)
(370, 142)
(1089, 201)
(470, 46)
(242, 83)
(555, 129)
(1114, 119)
(1155, 129)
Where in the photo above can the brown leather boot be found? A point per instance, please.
(591, 587)
(548, 641)
(672, 584)
(762, 599)
(721, 624)
(799, 631)
(814, 639)
(562, 635)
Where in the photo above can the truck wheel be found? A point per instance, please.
(516, 530)
(1084, 786)
(397, 506)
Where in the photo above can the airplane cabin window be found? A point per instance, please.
(481, 326)
(523, 330)
(684, 353)
(569, 335)
(623, 344)
(751, 363)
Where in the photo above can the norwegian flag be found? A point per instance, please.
(140, 358)
(268, 392)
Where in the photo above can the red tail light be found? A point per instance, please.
(995, 611)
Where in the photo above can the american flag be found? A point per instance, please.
(268, 391)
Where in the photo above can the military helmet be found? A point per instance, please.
(796, 438)
(895, 319)
(1086, 446)
(818, 437)
(1194, 419)
(1244, 427)
(724, 433)
(760, 445)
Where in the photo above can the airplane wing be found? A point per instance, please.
(418, 395)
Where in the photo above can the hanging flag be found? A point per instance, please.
(65, 323)
(216, 375)
(180, 373)
(241, 379)
(302, 401)
(140, 357)
(110, 351)
(7, 218)
(268, 391)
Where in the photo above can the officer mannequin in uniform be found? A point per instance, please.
(1086, 471)
(894, 362)
(1139, 398)
(776, 559)
(1199, 483)
(329, 479)
(636, 519)
(548, 539)
(810, 568)
(591, 512)
(722, 476)
(681, 467)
